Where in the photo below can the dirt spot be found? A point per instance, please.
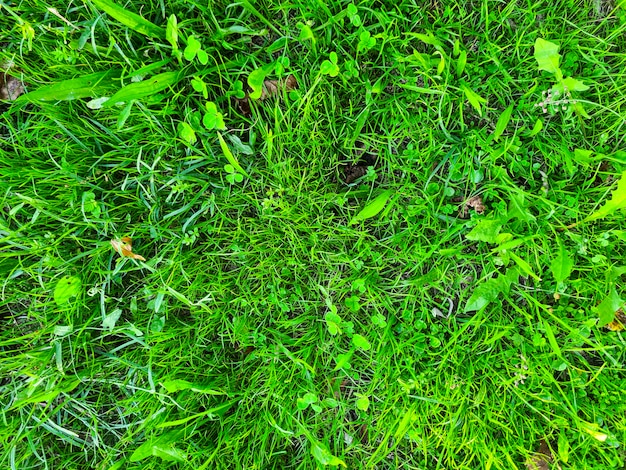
(271, 89)
(10, 87)
(352, 172)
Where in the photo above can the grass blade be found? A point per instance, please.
(230, 157)
(128, 18)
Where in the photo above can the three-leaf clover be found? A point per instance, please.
(213, 119)
(232, 176)
(194, 49)
(330, 67)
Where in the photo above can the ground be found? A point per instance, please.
(303, 235)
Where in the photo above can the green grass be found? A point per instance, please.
(264, 330)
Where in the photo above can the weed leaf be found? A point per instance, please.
(617, 201)
(608, 307)
(363, 403)
(66, 288)
(109, 321)
(487, 230)
(229, 156)
(486, 293)
(562, 265)
(162, 446)
(128, 18)
(517, 208)
(547, 55)
(503, 121)
(524, 266)
(373, 208)
(361, 342)
(171, 32)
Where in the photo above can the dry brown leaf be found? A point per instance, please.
(476, 203)
(542, 459)
(10, 87)
(125, 248)
(271, 88)
(618, 322)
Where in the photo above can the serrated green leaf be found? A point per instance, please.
(229, 156)
(617, 201)
(486, 293)
(372, 208)
(486, 230)
(547, 56)
(503, 121)
(607, 308)
(562, 265)
(128, 18)
(66, 288)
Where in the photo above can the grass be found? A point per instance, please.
(263, 329)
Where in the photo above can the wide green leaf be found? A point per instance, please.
(486, 293)
(485, 231)
(503, 121)
(547, 56)
(562, 265)
(66, 288)
(607, 308)
(128, 18)
(147, 87)
(82, 87)
(372, 208)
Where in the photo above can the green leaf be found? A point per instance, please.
(460, 63)
(229, 156)
(111, 319)
(90, 204)
(255, 81)
(547, 56)
(128, 18)
(574, 85)
(321, 453)
(536, 128)
(524, 266)
(333, 323)
(163, 446)
(192, 48)
(486, 293)
(186, 132)
(66, 288)
(372, 208)
(343, 361)
(563, 446)
(308, 399)
(562, 265)
(171, 32)
(124, 114)
(503, 121)
(473, 98)
(213, 119)
(607, 308)
(517, 208)
(147, 87)
(617, 201)
(486, 230)
(361, 342)
(176, 385)
(83, 87)
(363, 403)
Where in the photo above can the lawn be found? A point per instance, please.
(299, 235)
